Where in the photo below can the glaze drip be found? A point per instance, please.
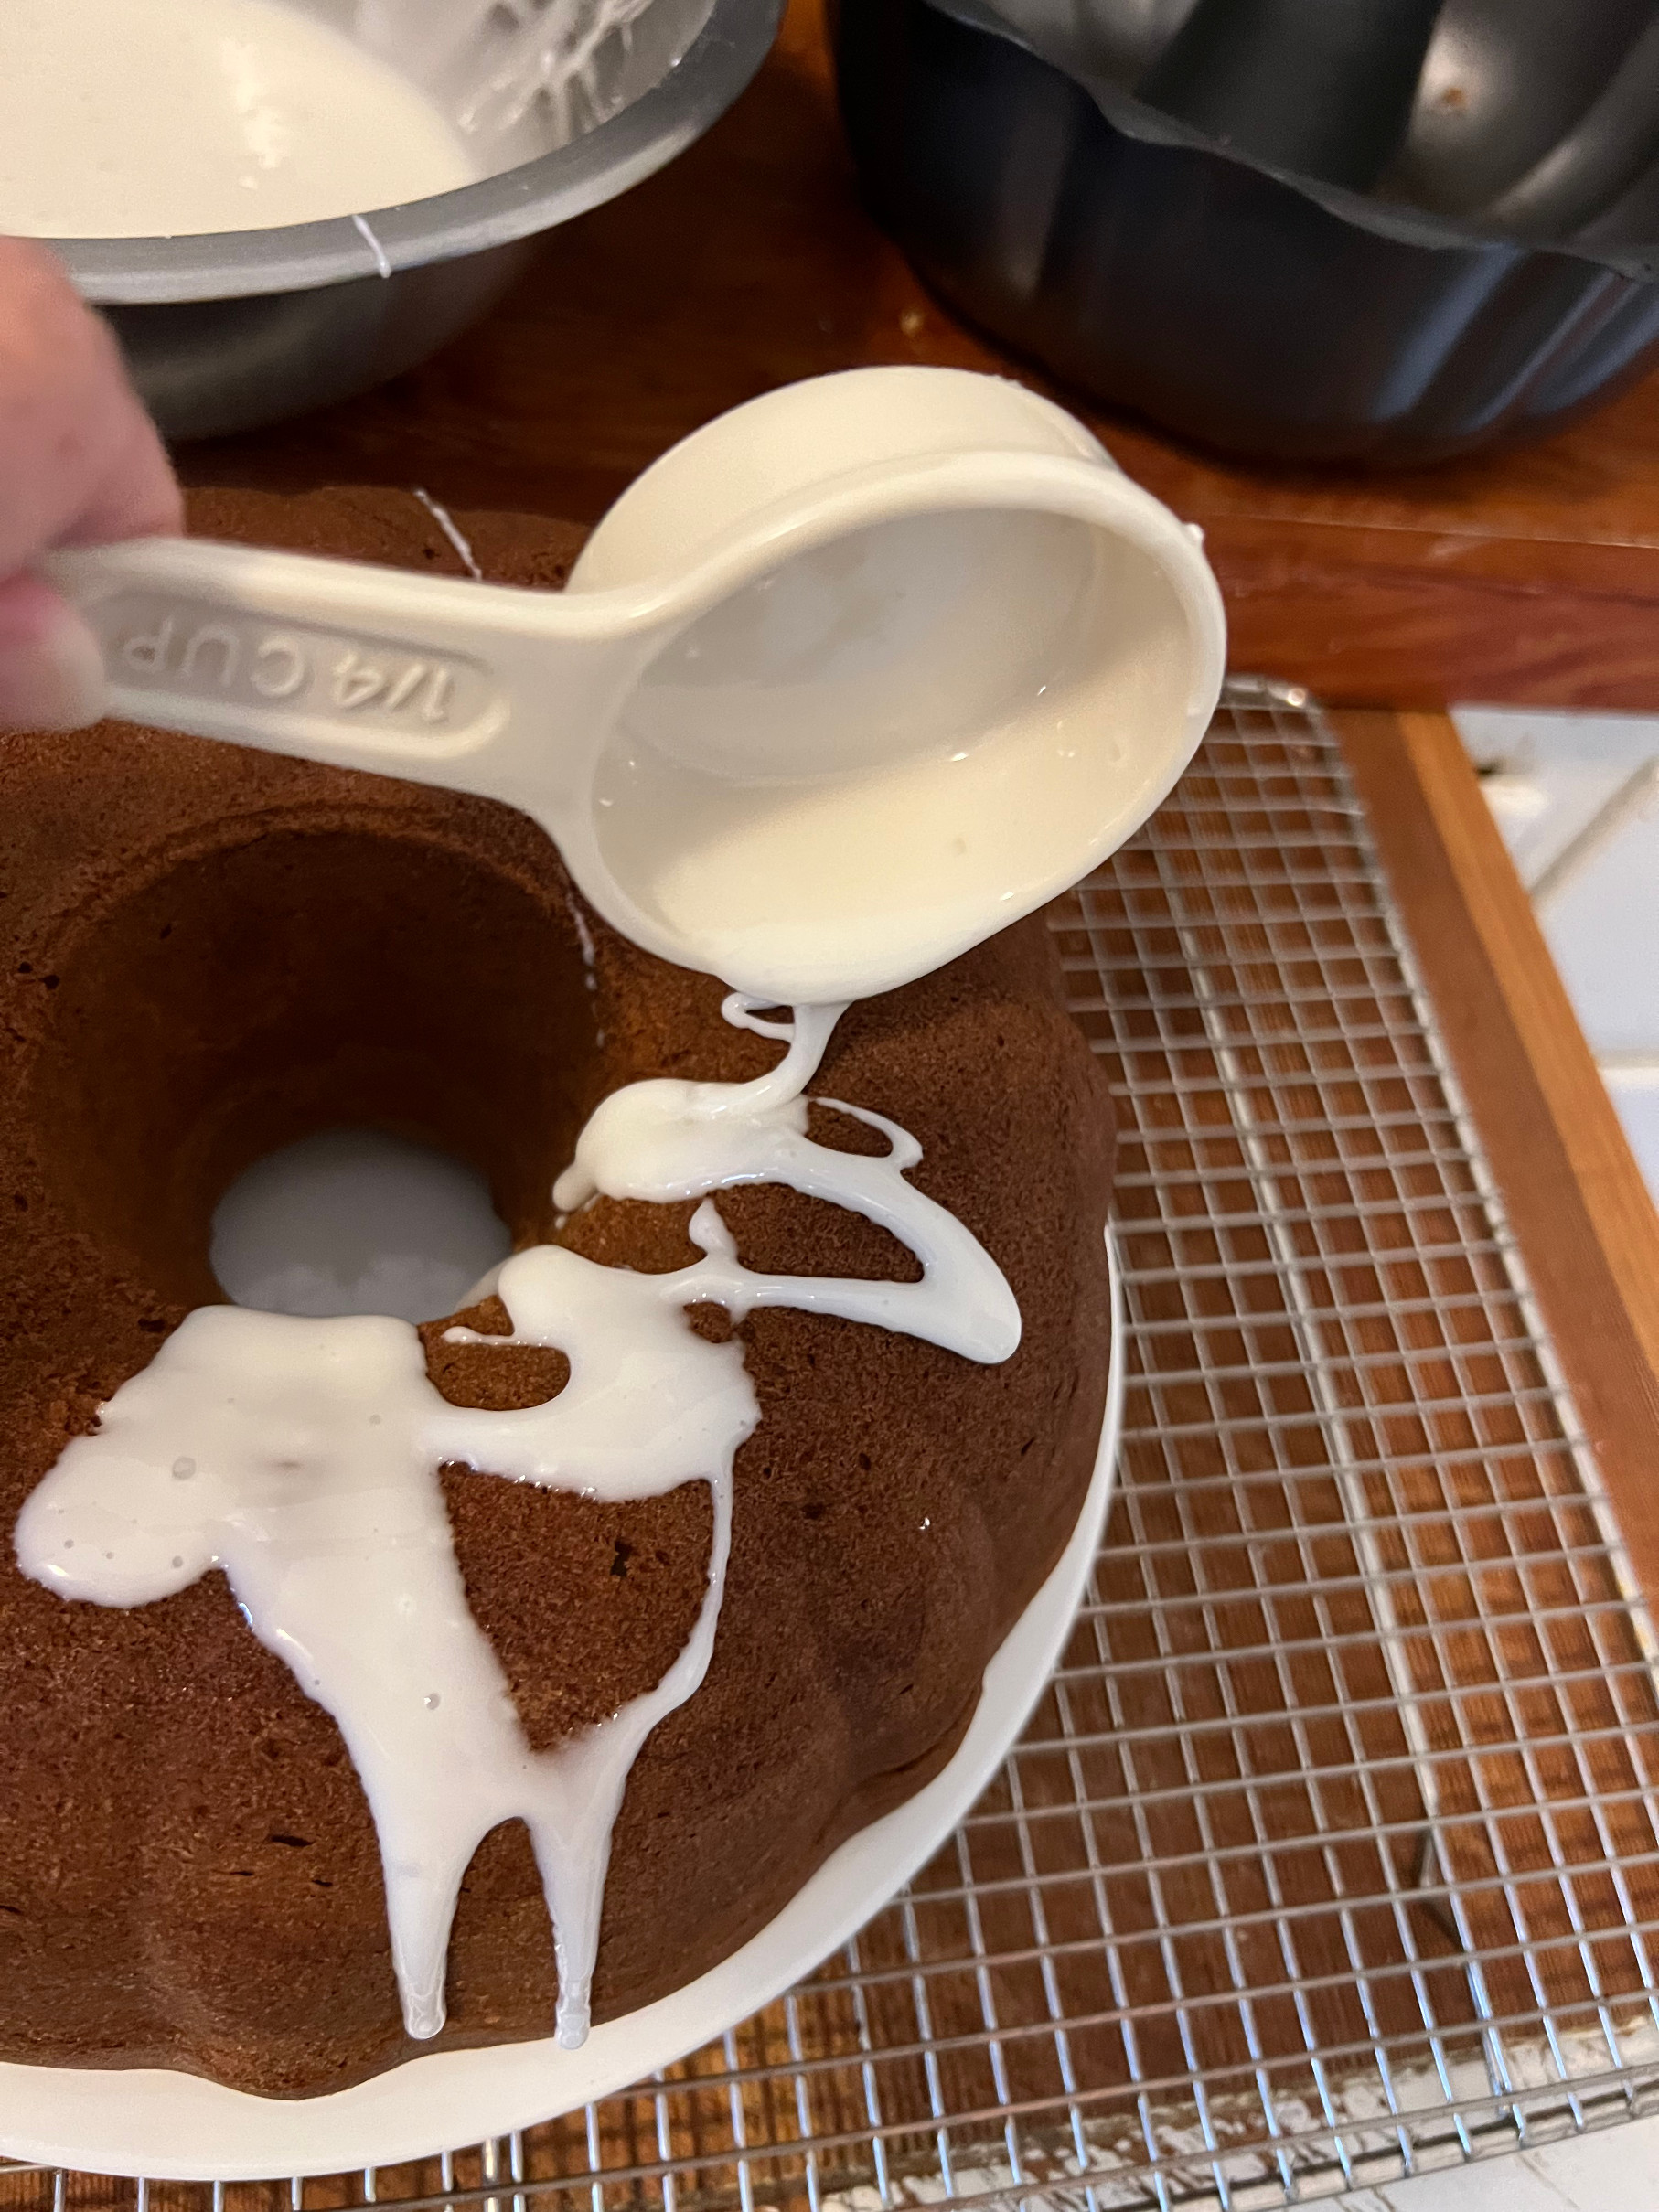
(315, 1450)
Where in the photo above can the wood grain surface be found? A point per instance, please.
(1575, 1196)
(1529, 576)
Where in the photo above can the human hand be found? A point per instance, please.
(80, 464)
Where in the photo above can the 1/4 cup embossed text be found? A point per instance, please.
(216, 654)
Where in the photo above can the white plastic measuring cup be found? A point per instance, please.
(847, 681)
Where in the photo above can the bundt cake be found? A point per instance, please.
(706, 1514)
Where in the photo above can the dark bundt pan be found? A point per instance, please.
(1496, 277)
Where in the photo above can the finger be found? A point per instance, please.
(51, 669)
(81, 462)
(137, 494)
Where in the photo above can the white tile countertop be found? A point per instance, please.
(1616, 2170)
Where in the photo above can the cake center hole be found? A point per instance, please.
(356, 1222)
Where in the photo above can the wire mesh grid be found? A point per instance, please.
(1332, 1853)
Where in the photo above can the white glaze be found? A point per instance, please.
(447, 524)
(549, 57)
(145, 118)
(590, 966)
(584, 942)
(302, 1458)
(356, 1220)
(667, 1140)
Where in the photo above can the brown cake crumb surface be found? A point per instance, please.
(206, 953)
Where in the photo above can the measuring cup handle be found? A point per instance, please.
(331, 660)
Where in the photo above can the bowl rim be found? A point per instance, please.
(643, 137)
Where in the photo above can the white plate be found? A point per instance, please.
(177, 2127)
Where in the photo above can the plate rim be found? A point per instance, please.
(163, 2125)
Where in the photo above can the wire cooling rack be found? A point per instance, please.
(1331, 1853)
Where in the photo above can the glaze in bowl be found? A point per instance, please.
(232, 330)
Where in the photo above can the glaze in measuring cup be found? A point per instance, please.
(848, 681)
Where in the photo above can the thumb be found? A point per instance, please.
(51, 668)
